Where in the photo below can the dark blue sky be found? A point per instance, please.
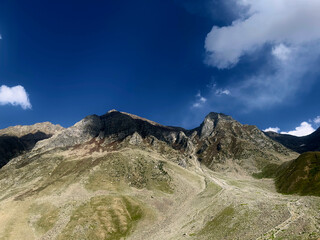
(76, 58)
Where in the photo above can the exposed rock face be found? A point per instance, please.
(224, 143)
(220, 142)
(19, 131)
(298, 144)
(135, 139)
(17, 139)
(113, 126)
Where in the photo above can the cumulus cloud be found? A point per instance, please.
(15, 96)
(286, 32)
(302, 130)
(293, 22)
(271, 129)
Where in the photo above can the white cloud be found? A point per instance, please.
(271, 129)
(196, 105)
(200, 101)
(15, 96)
(268, 22)
(302, 130)
(289, 29)
(281, 52)
(222, 92)
(317, 120)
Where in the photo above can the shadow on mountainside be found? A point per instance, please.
(12, 146)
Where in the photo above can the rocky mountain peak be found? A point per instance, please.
(211, 121)
(219, 116)
(112, 110)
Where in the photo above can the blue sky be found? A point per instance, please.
(170, 61)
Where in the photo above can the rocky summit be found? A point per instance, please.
(120, 176)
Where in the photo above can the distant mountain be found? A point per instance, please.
(300, 176)
(298, 144)
(16, 140)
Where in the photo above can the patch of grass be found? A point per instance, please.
(104, 217)
(269, 171)
(300, 176)
(46, 216)
(118, 171)
(218, 222)
(211, 189)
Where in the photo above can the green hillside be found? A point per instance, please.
(300, 176)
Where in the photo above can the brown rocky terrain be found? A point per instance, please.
(119, 176)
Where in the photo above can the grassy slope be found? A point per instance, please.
(300, 176)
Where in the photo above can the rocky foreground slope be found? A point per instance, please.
(119, 176)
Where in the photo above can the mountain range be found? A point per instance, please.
(298, 144)
(121, 176)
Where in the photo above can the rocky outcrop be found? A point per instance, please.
(18, 139)
(20, 131)
(223, 144)
(113, 126)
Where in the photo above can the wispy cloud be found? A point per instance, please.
(200, 101)
(316, 121)
(222, 92)
(281, 51)
(16, 96)
(288, 29)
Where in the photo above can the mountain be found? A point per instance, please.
(300, 176)
(16, 140)
(120, 176)
(298, 144)
(224, 143)
(219, 142)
